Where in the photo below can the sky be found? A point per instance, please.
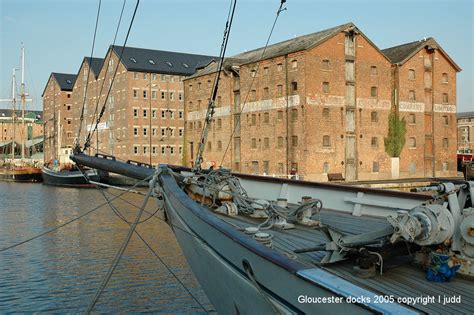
(57, 34)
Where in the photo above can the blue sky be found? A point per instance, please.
(58, 33)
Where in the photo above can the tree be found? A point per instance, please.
(395, 139)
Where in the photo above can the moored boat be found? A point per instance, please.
(69, 178)
(20, 174)
(265, 245)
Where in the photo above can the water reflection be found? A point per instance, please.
(61, 271)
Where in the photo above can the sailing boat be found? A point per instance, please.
(19, 170)
(62, 171)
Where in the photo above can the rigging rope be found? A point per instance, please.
(102, 111)
(211, 106)
(280, 9)
(88, 74)
(119, 254)
(118, 214)
(105, 75)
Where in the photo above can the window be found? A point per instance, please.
(153, 132)
(254, 143)
(199, 85)
(294, 114)
(374, 142)
(145, 150)
(326, 141)
(145, 113)
(180, 96)
(153, 95)
(445, 98)
(69, 95)
(163, 95)
(144, 76)
(446, 120)
(172, 150)
(190, 87)
(135, 93)
(374, 117)
(412, 142)
(266, 118)
(294, 86)
(444, 78)
(373, 91)
(326, 113)
(171, 96)
(266, 143)
(280, 115)
(266, 93)
(294, 64)
(153, 76)
(135, 149)
(412, 167)
(135, 131)
(253, 95)
(153, 150)
(181, 114)
(374, 70)
(153, 113)
(326, 64)
(68, 107)
(445, 142)
(280, 142)
(412, 119)
(163, 150)
(253, 73)
(265, 70)
(181, 131)
(163, 132)
(266, 167)
(411, 95)
(411, 74)
(294, 141)
(375, 167)
(145, 131)
(219, 145)
(209, 146)
(135, 75)
(145, 95)
(325, 167)
(445, 166)
(279, 67)
(280, 90)
(135, 112)
(326, 87)
(254, 119)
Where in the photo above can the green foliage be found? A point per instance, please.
(395, 139)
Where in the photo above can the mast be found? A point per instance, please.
(13, 112)
(23, 102)
(58, 134)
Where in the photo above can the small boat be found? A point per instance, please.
(69, 178)
(20, 174)
(261, 245)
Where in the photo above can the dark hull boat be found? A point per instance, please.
(69, 178)
(20, 174)
(259, 245)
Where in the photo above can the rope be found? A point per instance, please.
(105, 75)
(102, 111)
(211, 105)
(88, 73)
(280, 9)
(70, 221)
(119, 254)
(117, 212)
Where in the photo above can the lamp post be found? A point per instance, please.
(150, 114)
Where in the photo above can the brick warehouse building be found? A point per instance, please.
(319, 104)
(144, 116)
(57, 113)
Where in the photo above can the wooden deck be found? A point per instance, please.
(401, 281)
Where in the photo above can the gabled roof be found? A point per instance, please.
(95, 64)
(402, 53)
(159, 61)
(286, 47)
(65, 81)
(465, 115)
